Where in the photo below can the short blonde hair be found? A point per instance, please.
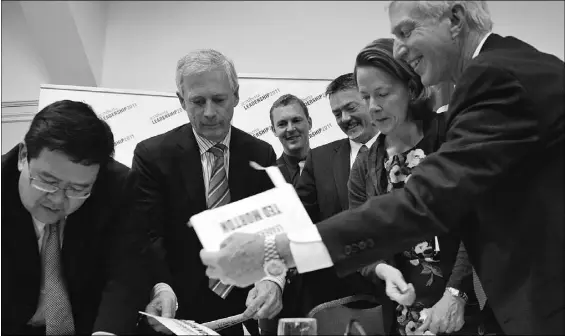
(205, 60)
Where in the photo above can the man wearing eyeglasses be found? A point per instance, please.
(69, 263)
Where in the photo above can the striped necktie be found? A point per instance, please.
(58, 312)
(218, 195)
(479, 291)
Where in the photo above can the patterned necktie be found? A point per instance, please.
(58, 313)
(479, 292)
(218, 195)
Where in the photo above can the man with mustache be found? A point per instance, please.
(323, 184)
(497, 179)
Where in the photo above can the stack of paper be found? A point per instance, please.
(183, 327)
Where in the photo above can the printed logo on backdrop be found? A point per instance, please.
(116, 111)
(124, 140)
(258, 98)
(162, 116)
(260, 131)
(312, 99)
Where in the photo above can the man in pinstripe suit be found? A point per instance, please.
(194, 167)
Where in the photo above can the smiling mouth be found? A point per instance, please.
(415, 62)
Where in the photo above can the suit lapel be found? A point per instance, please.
(239, 167)
(341, 172)
(20, 239)
(191, 169)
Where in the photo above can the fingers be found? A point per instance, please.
(436, 324)
(425, 326)
(167, 309)
(269, 307)
(251, 296)
(406, 298)
(209, 258)
(154, 307)
(255, 304)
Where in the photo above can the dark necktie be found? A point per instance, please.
(362, 150)
(218, 195)
(58, 312)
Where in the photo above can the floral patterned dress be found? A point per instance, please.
(421, 264)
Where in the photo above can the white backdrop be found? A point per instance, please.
(138, 115)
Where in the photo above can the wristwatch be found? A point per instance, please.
(457, 293)
(274, 265)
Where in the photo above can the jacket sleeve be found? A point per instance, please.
(491, 130)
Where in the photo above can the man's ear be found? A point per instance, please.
(458, 20)
(236, 94)
(181, 100)
(309, 123)
(22, 156)
(273, 130)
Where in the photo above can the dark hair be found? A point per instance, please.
(379, 54)
(343, 82)
(286, 100)
(72, 128)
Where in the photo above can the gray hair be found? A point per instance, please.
(205, 60)
(477, 13)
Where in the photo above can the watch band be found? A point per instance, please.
(457, 293)
(271, 249)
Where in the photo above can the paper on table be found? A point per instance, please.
(182, 327)
(271, 212)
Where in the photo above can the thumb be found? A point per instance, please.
(400, 283)
(426, 324)
(167, 308)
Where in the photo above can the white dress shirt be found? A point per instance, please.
(207, 159)
(308, 250)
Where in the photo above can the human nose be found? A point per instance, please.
(290, 127)
(399, 49)
(57, 197)
(345, 116)
(209, 110)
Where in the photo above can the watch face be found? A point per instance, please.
(275, 267)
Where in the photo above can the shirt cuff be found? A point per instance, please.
(162, 287)
(308, 250)
(102, 333)
(280, 280)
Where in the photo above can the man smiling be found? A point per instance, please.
(291, 123)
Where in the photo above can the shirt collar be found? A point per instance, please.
(480, 46)
(204, 144)
(357, 145)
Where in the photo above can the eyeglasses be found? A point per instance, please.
(50, 189)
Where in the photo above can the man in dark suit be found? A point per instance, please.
(291, 123)
(323, 184)
(69, 264)
(497, 180)
(194, 167)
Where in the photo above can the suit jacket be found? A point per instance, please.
(170, 190)
(322, 188)
(503, 161)
(101, 263)
(323, 183)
